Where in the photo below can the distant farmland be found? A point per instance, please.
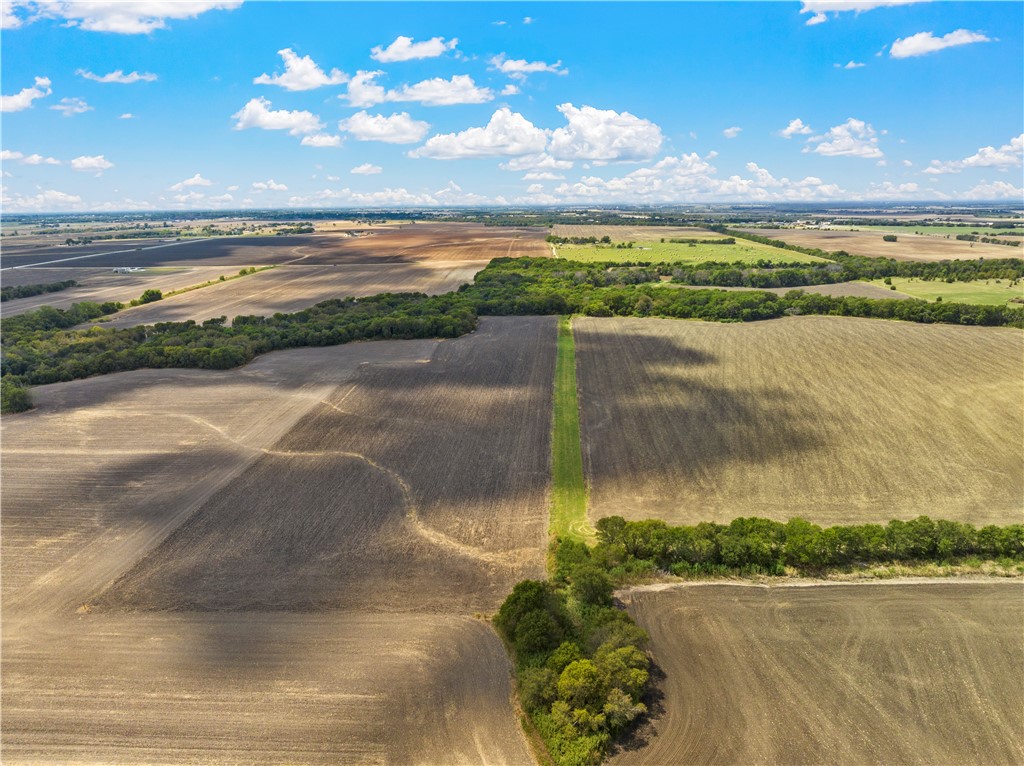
(987, 292)
(908, 246)
(292, 288)
(876, 673)
(655, 250)
(838, 420)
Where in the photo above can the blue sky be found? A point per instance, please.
(206, 104)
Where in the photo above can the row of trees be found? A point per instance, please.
(11, 292)
(580, 663)
(756, 545)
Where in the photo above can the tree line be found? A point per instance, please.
(12, 292)
(763, 546)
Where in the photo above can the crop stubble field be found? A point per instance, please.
(908, 247)
(838, 420)
(869, 673)
(277, 564)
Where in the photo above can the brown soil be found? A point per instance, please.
(291, 288)
(278, 564)
(838, 674)
(839, 420)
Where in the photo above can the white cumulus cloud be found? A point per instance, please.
(269, 185)
(48, 201)
(507, 133)
(510, 90)
(604, 135)
(321, 140)
(23, 99)
(732, 132)
(118, 76)
(1006, 156)
(7, 155)
(925, 42)
(128, 17)
(851, 64)
(819, 8)
(258, 114)
(196, 180)
(520, 68)
(301, 73)
(364, 91)
(96, 164)
(366, 169)
(854, 138)
(540, 161)
(795, 128)
(398, 128)
(404, 49)
(70, 106)
(995, 190)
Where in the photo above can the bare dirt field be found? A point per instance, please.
(633, 233)
(855, 674)
(385, 244)
(838, 420)
(908, 247)
(279, 564)
(292, 288)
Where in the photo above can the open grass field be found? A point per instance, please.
(936, 231)
(633, 233)
(568, 490)
(908, 247)
(288, 556)
(383, 244)
(987, 292)
(838, 420)
(655, 251)
(852, 674)
(292, 288)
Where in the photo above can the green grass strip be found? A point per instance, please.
(568, 491)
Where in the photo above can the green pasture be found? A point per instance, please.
(743, 251)
(982, 292)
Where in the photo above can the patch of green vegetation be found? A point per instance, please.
(8, 293)
(755, 546)
(580, 662)
(676, 252)
(934, 231)
(989, 292)
(568, 488)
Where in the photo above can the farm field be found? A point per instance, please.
(417, 520)
(292, 288)
(655, 251)
(938, 230)
(984, 292)
(908, 247)
(837, 420)
(620, 233)
(869, 673)
(101, 285)
(384, 244)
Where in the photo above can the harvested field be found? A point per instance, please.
(101, 285)
(634, 233)
(838, 420)
(908, 247)
(385, 244)
(343, 512)
(292, 288)
(854, 674)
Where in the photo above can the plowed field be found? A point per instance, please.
(855, 674)
(839, 420)
(279, 564)
(908, 247)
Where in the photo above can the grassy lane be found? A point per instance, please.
(568, 492)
